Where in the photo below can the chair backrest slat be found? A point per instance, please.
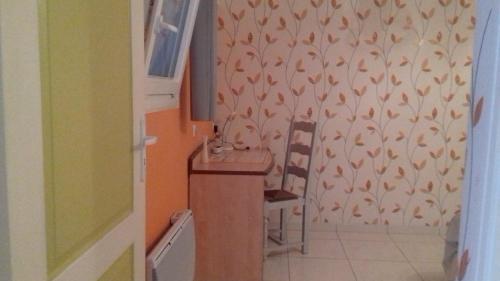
(308, 127)
(303, 149)
(300, 148)
(297, 171)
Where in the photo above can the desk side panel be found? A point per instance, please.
(228, 212)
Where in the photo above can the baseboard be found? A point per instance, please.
(390, 229)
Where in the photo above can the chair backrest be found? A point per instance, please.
(302, 149)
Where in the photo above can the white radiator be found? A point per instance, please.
(173, 259)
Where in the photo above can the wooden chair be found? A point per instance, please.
(283, 200)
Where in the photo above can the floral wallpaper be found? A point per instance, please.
(387, 82)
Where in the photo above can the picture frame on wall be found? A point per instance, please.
(169, 27)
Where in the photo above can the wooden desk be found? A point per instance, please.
(227, 197)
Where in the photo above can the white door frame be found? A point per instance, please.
(23, 138)
(4, 223)
(21, 142)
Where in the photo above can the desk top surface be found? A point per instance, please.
(234, 162)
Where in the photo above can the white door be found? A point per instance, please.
(71, 106)
(479, 252)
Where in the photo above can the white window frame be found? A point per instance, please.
(163, 92)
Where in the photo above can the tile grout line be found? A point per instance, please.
(407, 259)
(347, 257)
(317, 258)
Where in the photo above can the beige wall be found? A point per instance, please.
(387, 82)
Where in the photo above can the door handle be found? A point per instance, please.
(162, 24)
(145, 141)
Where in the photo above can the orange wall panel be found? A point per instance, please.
(167, 160)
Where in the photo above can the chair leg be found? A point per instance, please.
(306, 227)
(266, 230)
(284, 225)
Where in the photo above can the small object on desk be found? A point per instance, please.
(221, 138)
(242, 148)
(217, 157)
(217, 149)
(221, 148)
(227, 147)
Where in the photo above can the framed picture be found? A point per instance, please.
(168, 36)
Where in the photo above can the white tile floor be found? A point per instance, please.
(351, 256)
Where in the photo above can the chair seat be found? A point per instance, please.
(277, 195)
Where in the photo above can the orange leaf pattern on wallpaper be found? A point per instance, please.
(464, 264)
(478, 111)
(387, 81)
